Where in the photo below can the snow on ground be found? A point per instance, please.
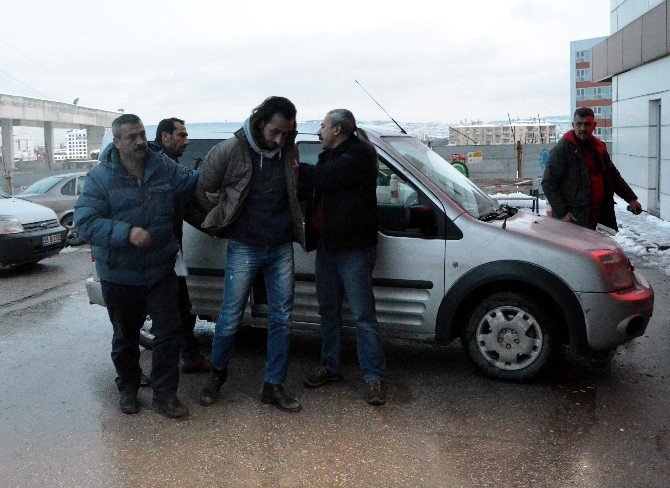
(71, 249)
(644, 238)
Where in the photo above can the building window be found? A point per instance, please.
(583, 74)
(583, 56)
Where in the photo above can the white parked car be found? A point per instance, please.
(453, 263)
(28, 232)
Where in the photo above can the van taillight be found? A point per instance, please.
(615, 268)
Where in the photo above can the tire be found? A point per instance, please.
(72, 238)
(146, 337)
(462, 168)
(510, 337)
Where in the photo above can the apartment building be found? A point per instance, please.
(587, 93)
(77, 147)
(636, 58)
(526, 132)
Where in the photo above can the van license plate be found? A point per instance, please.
(52, 239)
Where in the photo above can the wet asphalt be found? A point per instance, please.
(586, 425)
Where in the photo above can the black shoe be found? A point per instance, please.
(210, 392)
(144, 379)
(376, 393)
(172, 408)
(320, 376)
(129, 404)
(275, 395)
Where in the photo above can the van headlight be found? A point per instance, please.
(10, 225)
(615, 268)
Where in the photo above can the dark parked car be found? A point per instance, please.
(28, 232)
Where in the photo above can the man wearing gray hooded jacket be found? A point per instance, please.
(257, 209)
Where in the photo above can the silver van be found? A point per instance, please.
(453, 263)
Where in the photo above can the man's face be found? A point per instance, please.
(584, 127)
(277, 131)
(328, 133)
(132, 142)
(175, 143)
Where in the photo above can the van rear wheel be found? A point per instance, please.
(510, 337)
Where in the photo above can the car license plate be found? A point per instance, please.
(51, 239)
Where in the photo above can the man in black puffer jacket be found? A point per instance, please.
(341, 224)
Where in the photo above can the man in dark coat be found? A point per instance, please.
(342, 224)
(580, 179)
(172, 138)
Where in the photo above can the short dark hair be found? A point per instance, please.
(262, 114)
(584, 112)
(166, 125)
(122, 120)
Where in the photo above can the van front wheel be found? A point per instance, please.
(508, 336)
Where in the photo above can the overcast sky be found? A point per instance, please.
(213, 61)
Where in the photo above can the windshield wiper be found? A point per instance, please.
(502, 212)
(489, 216)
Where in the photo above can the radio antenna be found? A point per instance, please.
(389, 115)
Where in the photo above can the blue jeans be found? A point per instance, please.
(349, 273)
(243, 263)
(127, 306)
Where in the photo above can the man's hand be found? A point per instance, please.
(635, 207)
(139, 237)
(568, 217)
(213, 197)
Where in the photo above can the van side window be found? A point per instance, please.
(308, 151)
(403, 210)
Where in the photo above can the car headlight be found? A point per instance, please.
(10, 225)
(615, 267)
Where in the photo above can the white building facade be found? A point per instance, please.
(77, 147)
(636, 57)
(530, 132)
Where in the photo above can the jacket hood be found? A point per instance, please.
(107, 154)
(254, 146)
(571, 137)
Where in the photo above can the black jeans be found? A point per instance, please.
(128, 306)
(188, 346)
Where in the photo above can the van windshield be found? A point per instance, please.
(456, 185)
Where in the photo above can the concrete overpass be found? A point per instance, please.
(34, 112)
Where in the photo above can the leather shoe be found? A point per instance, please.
(211, 390)
(376, 392)
(320, 376)
(172, 408)
(129, 404)
(275, 395)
